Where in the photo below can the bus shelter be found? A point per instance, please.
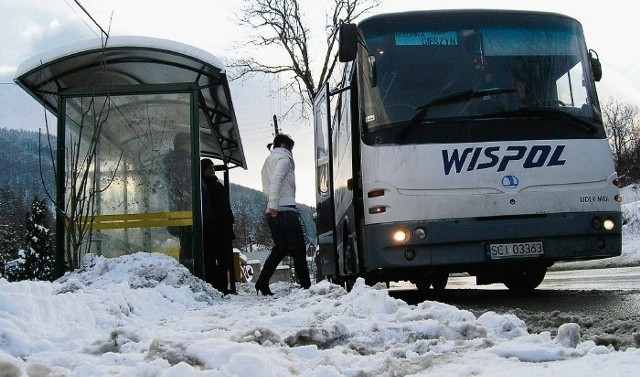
(135, 115)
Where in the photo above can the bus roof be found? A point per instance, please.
(462, 12)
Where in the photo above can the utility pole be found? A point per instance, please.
(275, 130)
(275, 124)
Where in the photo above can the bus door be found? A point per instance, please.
(325, 219)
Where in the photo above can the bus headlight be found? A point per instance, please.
(599, 224)
(608, 224)
(400, 235)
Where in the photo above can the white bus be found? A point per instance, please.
(463, 141)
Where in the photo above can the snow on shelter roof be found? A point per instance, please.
(131, 61)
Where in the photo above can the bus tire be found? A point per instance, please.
(318, 270)
(350, 258)
(525, 279)
(439, 280)
(423, 284)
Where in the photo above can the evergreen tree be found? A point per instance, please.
(12, 208)
(9, 249)
(38, 252)
(34, 259)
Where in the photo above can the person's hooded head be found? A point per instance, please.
(205, 164)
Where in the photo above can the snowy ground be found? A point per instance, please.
(146, 315)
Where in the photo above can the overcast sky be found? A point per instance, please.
(30, 26)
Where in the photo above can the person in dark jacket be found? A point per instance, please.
(217, 229)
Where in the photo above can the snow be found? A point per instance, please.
(144, 314)
(150, 43)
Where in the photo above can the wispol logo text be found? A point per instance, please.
(478, 158)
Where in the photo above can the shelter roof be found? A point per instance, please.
(130, 61)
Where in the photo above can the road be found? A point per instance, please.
(607, 279)
(572, 291)
(604, 302)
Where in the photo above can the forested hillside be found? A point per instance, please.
(22, 174)
(251, 227)
(20, 166)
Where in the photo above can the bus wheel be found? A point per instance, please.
(525, 279)
(318, 270)
(439, 280)
(423, 284)
(350, 260)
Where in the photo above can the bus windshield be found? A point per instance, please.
(421, 69)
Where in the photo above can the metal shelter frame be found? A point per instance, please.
(142, 73)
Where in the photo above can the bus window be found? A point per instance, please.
(322, 145)
(570, 86)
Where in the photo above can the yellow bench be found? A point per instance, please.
(142, 220)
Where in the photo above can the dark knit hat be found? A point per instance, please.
(205, 163)
(283, 140)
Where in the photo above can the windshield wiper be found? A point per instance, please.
(459, 97)
(449, 99)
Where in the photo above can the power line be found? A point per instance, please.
(81, 19)
(92, 19)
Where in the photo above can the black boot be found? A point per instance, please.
(264, 289)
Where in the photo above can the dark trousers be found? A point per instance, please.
(288, 239)
(217, 248)
(186, 254)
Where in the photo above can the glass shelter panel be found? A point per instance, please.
(136, 152)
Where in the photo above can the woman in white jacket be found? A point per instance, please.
(279, 185)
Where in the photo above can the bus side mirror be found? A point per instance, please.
(596, 67)
(347, 42)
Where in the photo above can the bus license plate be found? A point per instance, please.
(515, 250)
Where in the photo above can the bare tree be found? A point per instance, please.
(80, 173)
(620, 121)
(283, 25)
(81, 182)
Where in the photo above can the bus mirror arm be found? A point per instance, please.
(596, 67)
(339, 90)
